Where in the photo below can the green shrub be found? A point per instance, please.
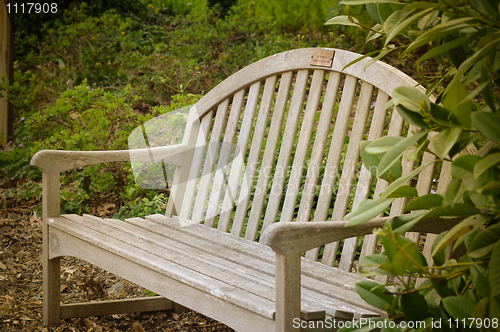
(462, 294)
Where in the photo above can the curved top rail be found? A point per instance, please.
(379, 74)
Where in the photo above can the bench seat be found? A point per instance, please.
(192, 261)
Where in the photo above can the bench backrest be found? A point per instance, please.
(296, 120)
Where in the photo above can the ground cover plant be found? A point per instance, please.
(87, 86)
(459, 294)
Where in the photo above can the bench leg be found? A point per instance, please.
(287, 292)
(51, 267)
(51, 291)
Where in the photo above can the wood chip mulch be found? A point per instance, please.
(21, 285)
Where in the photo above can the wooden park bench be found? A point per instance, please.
(296, 119)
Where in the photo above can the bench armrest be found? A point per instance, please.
(296, 237)
(57, 161)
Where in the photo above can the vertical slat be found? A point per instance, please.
(51, 267)
(287, 292)
(199, 153)
(318, 151)
(255, 153)
(286, 149)
(238, 161)
(365, 179)
(334, 155)
(350, 165)
(267, 161)
(299, 159)
(379, 116)
(225, 154)
(210, 160)
(182, 172)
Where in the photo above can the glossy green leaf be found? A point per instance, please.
(463, 142)
(405, 222)
(372, 10)
(424, 202)
(481, 309)
(438, 31)
(480, 279)
(465, 226)
(489, 161)
(410, 98)
(442, 289)
(364, 2)
(442, 48)
(404, 191)
(390, 248)
(440, 256)
(487, 124)
(489, 236)
(367, 210)
(415, 307)
(459, 307)
(374, 260)
(453, 191)
(371, 161)
(443, 142)
(384, 10)
(412, 117)
(394, 19)
(382, 144)
(494, 308)
(374, 294)
(477, 56)
(487, 92)
(393, 155)
(454, 100)
(490, 188)
(428, 19)
(463, 166)
(485, 8)
(372, 35)
(495, 270)
(405, 24)
(402, 180)
(343, 20)
(401, 262)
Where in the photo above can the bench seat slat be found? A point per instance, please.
(249, 277)
(330, 281)
(261, 272)
(333, 289)
(253, 249)
(168, 269)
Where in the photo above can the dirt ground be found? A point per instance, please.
(21, 285)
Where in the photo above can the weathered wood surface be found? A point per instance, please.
(244, 164)
(100, 308)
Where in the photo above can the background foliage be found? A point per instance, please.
(86, 76)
